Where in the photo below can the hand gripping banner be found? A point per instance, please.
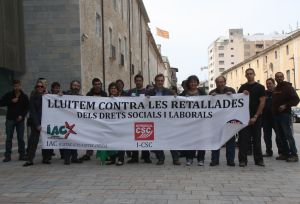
(142, 123)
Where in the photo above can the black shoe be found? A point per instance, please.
(214, 163)
(132, 161)
(67, 162)
(294, 158)
(160, 162)
(260, 163)
(77, 161)
(230, 164)
(176, 162)
(268, 154)
(85, 158)
(46, 162)
(243, 164)
(148, 161)
(110, 162)
(28, 164)
(23, 158)
(6, 159)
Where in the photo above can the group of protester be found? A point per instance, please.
(270, 109)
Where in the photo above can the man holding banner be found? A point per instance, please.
(256, 105)
(160, 90)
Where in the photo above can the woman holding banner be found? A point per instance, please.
(192, 84)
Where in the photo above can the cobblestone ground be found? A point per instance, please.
(278, 182)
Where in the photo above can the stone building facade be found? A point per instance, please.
(82, 39)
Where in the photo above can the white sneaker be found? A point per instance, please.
(189, 162)
(201, 163)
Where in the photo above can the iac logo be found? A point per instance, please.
(144, 130)
(64, 130)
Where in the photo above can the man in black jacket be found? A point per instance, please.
(160, 90)
(95, 91)
(284, 97)
(17, 107)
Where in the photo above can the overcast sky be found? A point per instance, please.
(195, 24)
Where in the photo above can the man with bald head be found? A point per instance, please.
(284, 97)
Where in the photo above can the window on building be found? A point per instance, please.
(231, 41)
(288, 75)
(249, 65)
(115, 4)
(125, 47)
(257, 63)
(98, 25)
(221, 62)
(221, 54)
(221, 69)
(122, 9)
(259, 45)
(211, 51)
(287, 50)
(232, 62)
(221, 47)
(232, 55)
(266, 59)
(120, 46)
(275, 54)
(232, 48)
(110, 36)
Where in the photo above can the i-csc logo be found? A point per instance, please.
(144, 130)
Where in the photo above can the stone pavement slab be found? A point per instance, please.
(278, 182)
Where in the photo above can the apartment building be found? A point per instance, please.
(226, 52)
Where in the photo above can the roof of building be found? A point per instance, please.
(262, 37)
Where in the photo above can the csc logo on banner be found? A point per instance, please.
(144, 130)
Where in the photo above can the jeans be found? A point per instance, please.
(230, 152)
(284, 127)
(10, 126)
(190, 154)
(268, 124)
(244, 139)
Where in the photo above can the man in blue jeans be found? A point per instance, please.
(230, 145)
(17, 104)
(284, 97)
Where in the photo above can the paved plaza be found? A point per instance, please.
(278, 182)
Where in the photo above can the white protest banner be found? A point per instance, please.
(141, 123)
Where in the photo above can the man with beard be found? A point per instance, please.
(284, 97)
(95, 91)
(71, 155)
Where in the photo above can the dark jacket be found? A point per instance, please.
(165, 92)
(224, 91)
(15, 110)
(92, 93)
(267, 112)
(36, 109)
(201, 92)
(284, 94)
(136, 92)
